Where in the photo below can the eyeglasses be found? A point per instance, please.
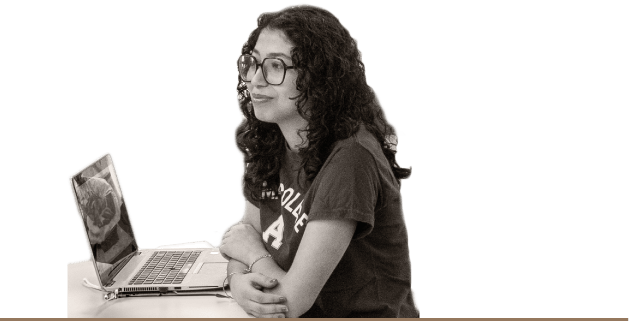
(273, 69)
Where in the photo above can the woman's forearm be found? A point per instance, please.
(235, 266)
(297, 303)
(321, 248)
(268, 267)
(290, 286)
(243, 242)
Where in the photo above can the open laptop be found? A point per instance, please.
(121, 267)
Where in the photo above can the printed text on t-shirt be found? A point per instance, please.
(276, 229)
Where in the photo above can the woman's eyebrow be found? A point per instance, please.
(273, 54)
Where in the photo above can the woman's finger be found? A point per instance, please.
(262, 280)
(267, 298)
(278, 315)
(267, 309)
(257, 315)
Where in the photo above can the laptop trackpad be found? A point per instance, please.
(215, 268)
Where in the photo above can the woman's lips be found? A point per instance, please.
(257, 98)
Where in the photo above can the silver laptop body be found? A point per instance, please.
(123, 268)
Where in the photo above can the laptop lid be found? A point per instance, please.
(105, 218)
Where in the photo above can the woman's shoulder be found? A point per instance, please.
(362, 150)
(362, 143)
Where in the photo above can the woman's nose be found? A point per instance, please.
(258, 78)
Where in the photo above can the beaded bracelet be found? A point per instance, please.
(249, 270)
(225, 282)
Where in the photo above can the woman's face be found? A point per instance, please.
(273, 103)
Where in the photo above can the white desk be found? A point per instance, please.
(85, 302)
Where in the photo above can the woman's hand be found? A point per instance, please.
(247, 290)
(243, 243)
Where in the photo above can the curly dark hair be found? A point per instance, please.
(331, 78)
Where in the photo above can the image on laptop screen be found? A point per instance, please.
(104, 217)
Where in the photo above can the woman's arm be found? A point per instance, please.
(252, 216)
(247, 289)
(322, 247)
(243, 241)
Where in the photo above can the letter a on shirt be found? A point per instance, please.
(276, 229)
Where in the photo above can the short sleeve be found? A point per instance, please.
(347, 187)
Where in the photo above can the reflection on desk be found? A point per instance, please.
(87, 303)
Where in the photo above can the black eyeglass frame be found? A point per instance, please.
(258, 65)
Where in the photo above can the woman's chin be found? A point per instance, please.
(263, 115)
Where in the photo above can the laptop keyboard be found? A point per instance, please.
(166, 267)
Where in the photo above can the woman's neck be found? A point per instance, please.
(291, 131)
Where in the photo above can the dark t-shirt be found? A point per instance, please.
(373, 279)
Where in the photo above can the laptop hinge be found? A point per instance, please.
(118, 266)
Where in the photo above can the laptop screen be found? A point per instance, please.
(105, 218)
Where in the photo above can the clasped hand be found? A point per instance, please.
(248, 291)
(243, 243)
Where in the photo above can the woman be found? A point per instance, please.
(323, 233)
